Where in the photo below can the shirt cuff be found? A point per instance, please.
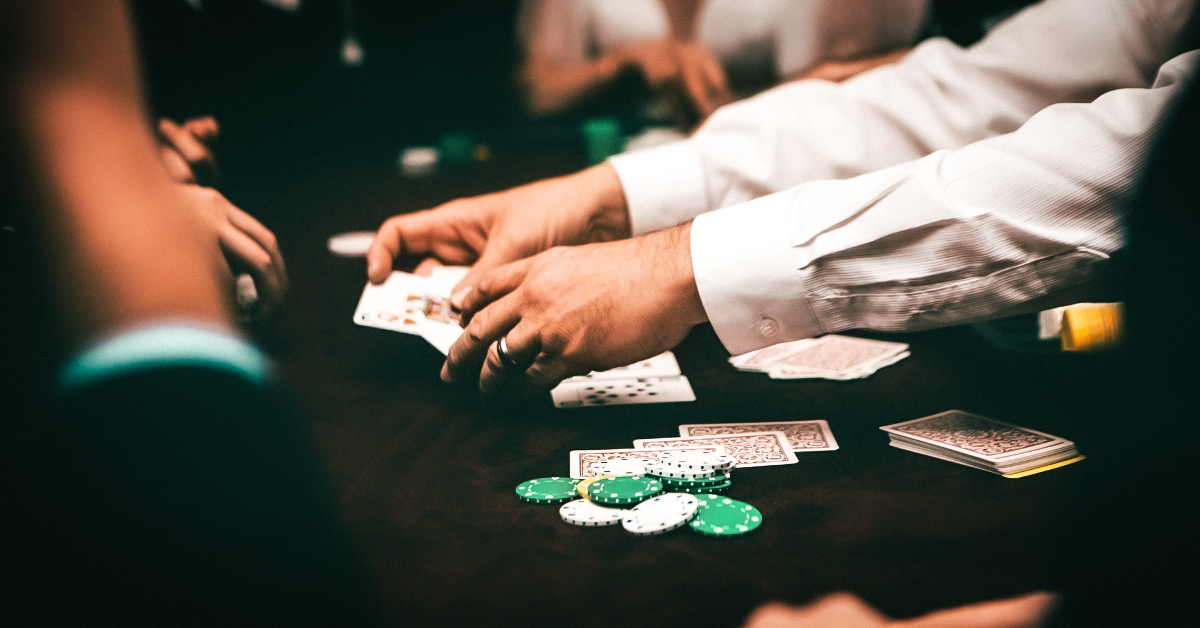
(747, 275)
(664, 186)
(181, 343)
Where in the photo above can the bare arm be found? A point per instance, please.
(121, 244)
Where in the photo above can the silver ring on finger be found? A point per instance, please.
(506, 358)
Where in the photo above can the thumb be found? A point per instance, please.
(491, 257)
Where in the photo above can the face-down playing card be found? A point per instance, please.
(757, 449)
(801, 435)
(583, 459)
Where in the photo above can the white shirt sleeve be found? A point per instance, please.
(953, 237)
(939, 97)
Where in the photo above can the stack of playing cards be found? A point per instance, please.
(420, 305)
(983, 443)
(827, 357)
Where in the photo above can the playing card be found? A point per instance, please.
(801, 435)
(582, 459)
(662, 365)
(394, 304)
(864, 370)
(755, 449)
(761, 359)
(977, 437)
(414, 304)
(839, 354)
(611, 392)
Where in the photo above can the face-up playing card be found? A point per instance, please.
(414, 304)
(583, 459)
(757, 449)
(801, 435)
(612, 392)
(966, 434)
(393, 304)
(662, 365)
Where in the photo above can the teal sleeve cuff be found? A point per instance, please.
(165, 344)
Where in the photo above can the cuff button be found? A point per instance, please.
(766, 327)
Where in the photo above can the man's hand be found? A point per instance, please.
(184, 149)
(498, 228)
(248, 246)
(571, 310)
(680, 68)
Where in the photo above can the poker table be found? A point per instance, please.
(425, 472)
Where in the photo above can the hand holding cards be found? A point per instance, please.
(420, 305)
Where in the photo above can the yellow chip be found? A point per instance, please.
(1092, 326)
(583, 485)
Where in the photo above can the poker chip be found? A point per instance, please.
(666, 471)
(586, 483)
(661, 514)
(697, 461)
(699, 490)
(721, 516)
(624, 489)
(619, 466)
(698, 482)
(582, 512)
(551, 490)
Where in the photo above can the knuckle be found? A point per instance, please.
(475, 331)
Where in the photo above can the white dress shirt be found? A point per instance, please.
(941, 190)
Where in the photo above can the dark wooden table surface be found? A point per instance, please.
(425, 472)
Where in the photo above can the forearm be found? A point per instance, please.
(952, 238)
(119, 247)
(552, 87)
(939, 97)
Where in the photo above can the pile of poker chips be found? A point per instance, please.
(650, 497)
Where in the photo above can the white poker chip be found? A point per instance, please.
(582, 512)
(352, 244)
(694, 461)
(619, 466)
(661, 514)
(676, 473)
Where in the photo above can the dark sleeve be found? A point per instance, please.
(179, 495)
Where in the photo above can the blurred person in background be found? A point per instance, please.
(695, 55)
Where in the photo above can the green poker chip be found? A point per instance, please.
(721, 516)
(553, 490)
(624, 489)
(698, 490)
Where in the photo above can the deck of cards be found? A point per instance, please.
(828, 357)
(976, 441)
